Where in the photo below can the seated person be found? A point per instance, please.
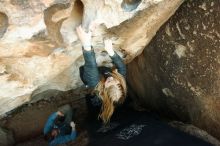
(60, 128)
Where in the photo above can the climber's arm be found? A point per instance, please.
(90, 70)
(117, 60)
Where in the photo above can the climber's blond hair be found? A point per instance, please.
(107, 94)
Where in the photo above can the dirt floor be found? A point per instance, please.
(82, 140)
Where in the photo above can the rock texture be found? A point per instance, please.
(195, 131)
(178, 73)
(6, 137)
(39, 49)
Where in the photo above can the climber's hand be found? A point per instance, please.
(60, 113)
(84, 37)
(108, 47)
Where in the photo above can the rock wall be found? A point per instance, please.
(6, 137)
(178, 73)
(39, 49)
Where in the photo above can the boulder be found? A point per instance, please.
(178, 73)
(39, 49)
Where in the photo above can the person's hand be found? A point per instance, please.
(84, 37)
(72, 124)
(108, 47)
(60, 113)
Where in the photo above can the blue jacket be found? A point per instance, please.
(61, 138)
(90, 74)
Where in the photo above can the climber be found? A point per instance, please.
(59, 128)
(108, 84)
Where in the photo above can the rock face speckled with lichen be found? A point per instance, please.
(179, 71)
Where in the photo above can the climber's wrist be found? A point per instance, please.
(111, 53)
(87, 46)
